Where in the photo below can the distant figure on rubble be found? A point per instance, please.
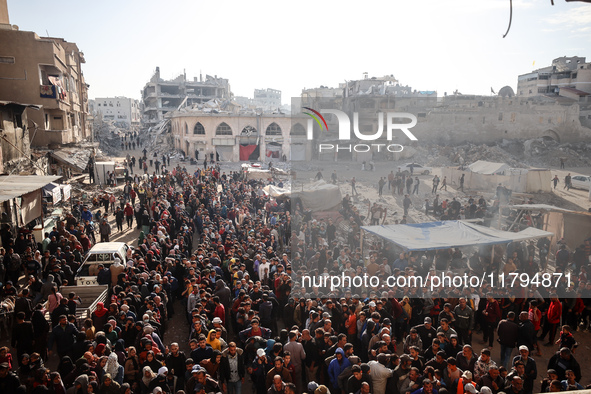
(333, 177)
(462, 182)
(567, 182)
(444, 183)
(435, 184)
(555, 180)
(561, 163)
(318, 176)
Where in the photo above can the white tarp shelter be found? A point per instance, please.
(449, 234)
(317, 196)
(488, 167)
(520, 180)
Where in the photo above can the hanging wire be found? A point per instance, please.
(510, 17)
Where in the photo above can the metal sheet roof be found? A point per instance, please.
(12, 186)
(75, 157)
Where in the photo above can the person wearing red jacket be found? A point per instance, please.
(492, 316)
(552, 320)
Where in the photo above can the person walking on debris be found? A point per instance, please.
(353, 188)
(567, 182)
(390, 179)
(381, 184)
(555, 180)
(406, 203)
(462, 182)
(444, 183)
(415, 189)
(561, 163)
(435, 184)
(119, 214)
(409, 182)
(333, 177)
(105, 230)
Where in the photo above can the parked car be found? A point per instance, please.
(581, 182)
(416, 169)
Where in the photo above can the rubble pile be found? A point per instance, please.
(539, 152)
(109, 136)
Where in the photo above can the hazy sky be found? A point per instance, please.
(426, 44)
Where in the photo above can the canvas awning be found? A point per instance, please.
(54, 191)
(12, 186)
(449, 234)
(538, 207)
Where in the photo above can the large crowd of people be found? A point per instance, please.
(215, 249)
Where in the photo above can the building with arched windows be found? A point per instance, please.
(240, 136)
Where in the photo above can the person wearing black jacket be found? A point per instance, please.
(527, 333)
(232, 369)
(507, 332)
(562, 361)
(22, 336)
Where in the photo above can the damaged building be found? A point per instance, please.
(224, 133)
(122, 111)
(46, 73)
(451, 119)
(160, 96)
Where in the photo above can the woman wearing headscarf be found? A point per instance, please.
(99, 316)
(151, 361)
(92, 388)
(147, 376)
(80, 385)
(56, 386)
(65, 367)
(114, 369)
(109, 385)
(132, 366)
(120, 351)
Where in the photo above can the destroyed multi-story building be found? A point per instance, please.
(264, 99)
(450, 119)
(121, 110)
(45, 74)
(567, 76)
(160, 96)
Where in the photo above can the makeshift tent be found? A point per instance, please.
(54, 191)
(449, 234)
(519, 180)
(28, 188)
(488, 167)
(317, 196)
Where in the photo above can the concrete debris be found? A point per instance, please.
(539, 152)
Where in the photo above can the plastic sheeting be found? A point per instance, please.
(224, 152)
(54, 191)
(524, 181)
(449, 234)
(317, 196)
(488, 167)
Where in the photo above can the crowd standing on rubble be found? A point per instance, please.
(253, 328)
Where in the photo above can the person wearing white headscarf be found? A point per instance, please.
(147, 376)
(112, 367)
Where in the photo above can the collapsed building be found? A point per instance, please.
(160, 96)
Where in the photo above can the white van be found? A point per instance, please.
(102, 253)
